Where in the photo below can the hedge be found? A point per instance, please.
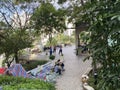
(19, 83)
(33, 64)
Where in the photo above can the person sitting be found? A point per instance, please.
(8, 73)
(57, 69)
(61, 64)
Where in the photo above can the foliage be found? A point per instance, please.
(2, 24)
(17, 83)
(92, 80)
(13, 42)
(104, 23)
(52, 57)
(29, 65)
(48, 20)
(54, 42)
(85, 37)
(14, 36)
(61, 39)
(21, 1)
(61, 1)
(65, 39)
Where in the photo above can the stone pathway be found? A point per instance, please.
(74, 69)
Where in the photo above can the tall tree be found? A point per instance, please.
(47, 19)
(12, 43)
(16, 32)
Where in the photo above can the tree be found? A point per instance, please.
(16, 35)
(54, 42)
(85, 37)
(14, 42)
(104, 24)
(47, 19)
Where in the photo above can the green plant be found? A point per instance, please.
(55, 21)
(19, 83)
(54, 42)
(52, 57)
(104, 27)
(33, 64)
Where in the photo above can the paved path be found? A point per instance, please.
(74, 69)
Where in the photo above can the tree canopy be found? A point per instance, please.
(47, 19)
(15, 30)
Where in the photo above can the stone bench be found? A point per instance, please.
(87, 87)
(85, 80)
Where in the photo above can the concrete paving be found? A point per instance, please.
(74, 69)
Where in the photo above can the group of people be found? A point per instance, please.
(53, 50)
(59, 67)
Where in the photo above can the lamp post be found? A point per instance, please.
(95, 77)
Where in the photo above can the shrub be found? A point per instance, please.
(52, 57)
(33, 64)
(19, 83)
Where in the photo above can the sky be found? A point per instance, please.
(65, 5)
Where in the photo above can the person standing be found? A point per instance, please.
(57, 69)
(54, 49)
(60, 50)
(50, 51)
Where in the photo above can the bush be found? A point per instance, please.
(33, 64)
(52, 57)
(19, 83)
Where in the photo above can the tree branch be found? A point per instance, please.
(3, 14)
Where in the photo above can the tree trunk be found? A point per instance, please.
(8, 64)
(16, 57)
(50, 38)
(82, 3)
(6, 60)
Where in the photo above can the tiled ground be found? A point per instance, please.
(74, 69)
